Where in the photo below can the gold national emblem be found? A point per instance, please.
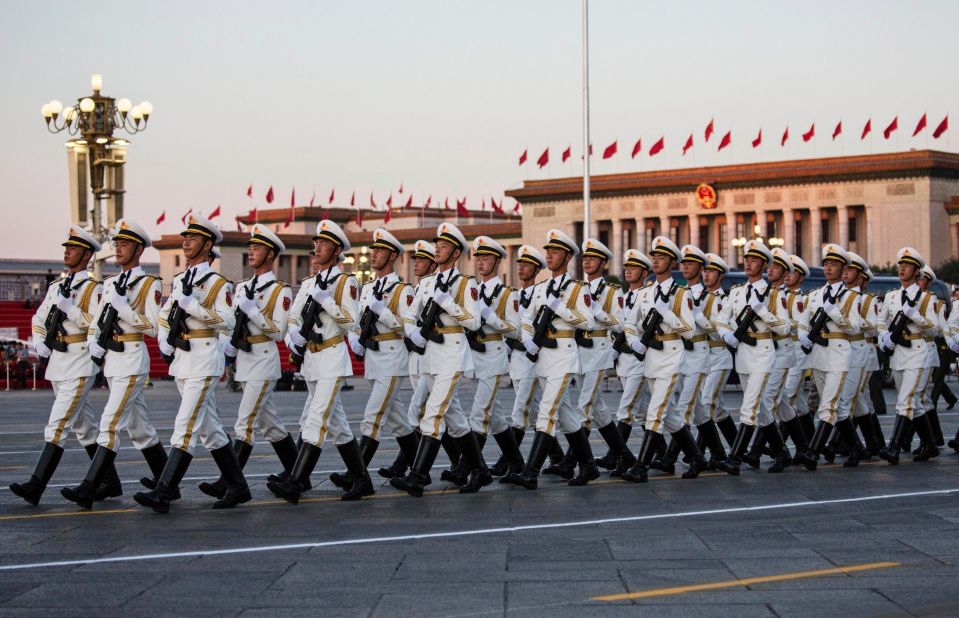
(706, 196)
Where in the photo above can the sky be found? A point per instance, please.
(443, 96)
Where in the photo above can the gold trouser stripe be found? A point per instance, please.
(327, 413)
(118, 413)
(551, 423)
(832, 404)
(248, 435)
(779, 392)
(386, 404)
(692, 400)
(719, 389)
(855, 398)
(489, 405)
(441, 414)
(912, 394)
(632, 402)
(662, 407)
(795, 395)
(588, 408)
(759, 400)
(73, 408)
(188, 436)
(529, 400)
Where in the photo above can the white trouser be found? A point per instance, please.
(836, 390)
(524, 400)
(690, 404)
(862, 400)
(590, 402)
(71, 411)
(555, 408)
(794, 397)
(488, 414)
(421, 392)
(197, 416)
(326, 416)
(777, 388)
(713, 396)
(634, 401)
(757, 399)
(258, 412)
(925, 393)
(663, 415)
(443, 411)
(126, 409)
(908, 385)
(384, 406)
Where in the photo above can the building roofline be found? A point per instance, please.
(346, 215)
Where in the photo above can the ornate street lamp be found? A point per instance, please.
(94, 119)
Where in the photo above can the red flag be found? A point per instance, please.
(249, 191)
(372, 203)
(567, 153)
(758, 140)
(657, 147)
(782, 142)
(610, 150)
(389, 212)
(689, 144)
(252, 215)
(726, 141)
(238, 228)
(353, 198)
(866, 130)
(811, 133)
(312, 198)
(401, 186)
(161, 218)
(446, 203)
(359, 218)
(709, 129)
(215, 213)
(920, 126)
(289, 217)
(516, 208)
(269, 195)
(429, 200)
(543, 158)
(332, 195)
(324, 215)
(837, 130)
(461, 209)
(892, 127)
(590, 150)
(293, 197)
(497, 207)
(483, 205)
(637, 148)
(389, 201)
(522, 157)
(409, 202)
(943, 126)
(183, 218)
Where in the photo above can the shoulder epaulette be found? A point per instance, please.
(614, 286)
(648, 283)
(307, 277)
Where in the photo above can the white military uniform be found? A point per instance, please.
(864, 349)
(691, 403)
(197, 370)
(909, 365)
(71, 372)
(635, 398)
(491, 368)
(606, 305)
(522, 371)
(327, 363)
(794, 395)
(127, 371)
(259, 369)
(720, 361)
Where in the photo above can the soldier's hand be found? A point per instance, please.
(355, 344)
(377, 306)
(417, 338)
(662, 307)
(529, 344)
(805, 341)
(228, 349)
(485, 312)
(95, 350)
(184, 300)
(42, 350)
(166, 348)
(757, 305)
(953, 343)
(296, 338)
(320, 295)
(64, 303)
(886, 342)
(911, 312)
(248, 305)
(442, 298)
(637, 346)
(554, 303)
(832, 310)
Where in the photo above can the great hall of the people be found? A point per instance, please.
(872, 204)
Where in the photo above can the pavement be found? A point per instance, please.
(875, 540)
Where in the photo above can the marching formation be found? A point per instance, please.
(672, 345)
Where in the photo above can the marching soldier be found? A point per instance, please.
(926, 279)
(635, 398)
(794, 395)
(522, 371)
(378, 340)
(190, 320)
(830, 319)
(662, 320)
(60, 335)
(444, 308)
(870, 313)
(129, 313)
(560, 308)
(748, 325)
(691, 403)
(264, 303)
(951, 335)
(720, 361)
(324, 311)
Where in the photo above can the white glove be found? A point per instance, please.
(296, 338)
(117, 300)
(228, 349)
(64, 303)
(418, 339)
(184, 300)
(42, 350)
(530, 346)
(166, 348)
(662, 308)
(442, 298)
(757, 305)
(805, 341)
(248, 305)
(377, 306)
(615, 355)
(320, 295)
(637, 346)
(122, 305)
(697, 310)
(953, 343)
(554, 303)
(95, 350)
(886, 342)
(911, 312)
(601, 315)
(832, 310)
(485, 311)
(731, 340)
(355, 344)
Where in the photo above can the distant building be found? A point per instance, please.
(27, 280)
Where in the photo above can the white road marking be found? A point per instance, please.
(463, 533)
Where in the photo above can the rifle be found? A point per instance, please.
(621, 346)
(55, 319)
(109, 323)
(368, 325)
(310, 317)
(542, 327)
(430, 318)
(241, 329)
(816, 326)
(651, 325)
(897, 331)
(745, 321)
(177, 319)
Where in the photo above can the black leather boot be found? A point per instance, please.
(753, 456)
(617, 445)
(452, 449)
(727, 427)
(542, 443)
(156, 459)
(709, 434)
(954, 443)
(367, 447)
(808, 424)
(237, 491)
(355, 457)
(936, 427)
(609, 461)
(285, 474)
(217, 489)
(556, 453)
(810, 458)
(167, 485)
(868, 431)
(877, 432)
(777, 446)
(404, 457)
(85, 493)
(731, 464)
(684, 437)
(109, 485)
(418, 478)
(849, 437)
(458, 472)
(797, 433)
(286, 451)
(298, 481)
(906, 443)
(899, 430)
(471, 446)
(32, 490)
(667, 462)
(566, 467)
(639, 472)
(927, 438)
(579, 441)
(506, 440)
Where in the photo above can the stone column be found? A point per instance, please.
(694, 230)
(815, 235)
(294, 258)
(843, 218)
(641, 234)
(616, 246)
(789, 228)
(870, 248)
(729, 249)
(664, 226)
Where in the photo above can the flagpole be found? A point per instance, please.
(586, 221)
